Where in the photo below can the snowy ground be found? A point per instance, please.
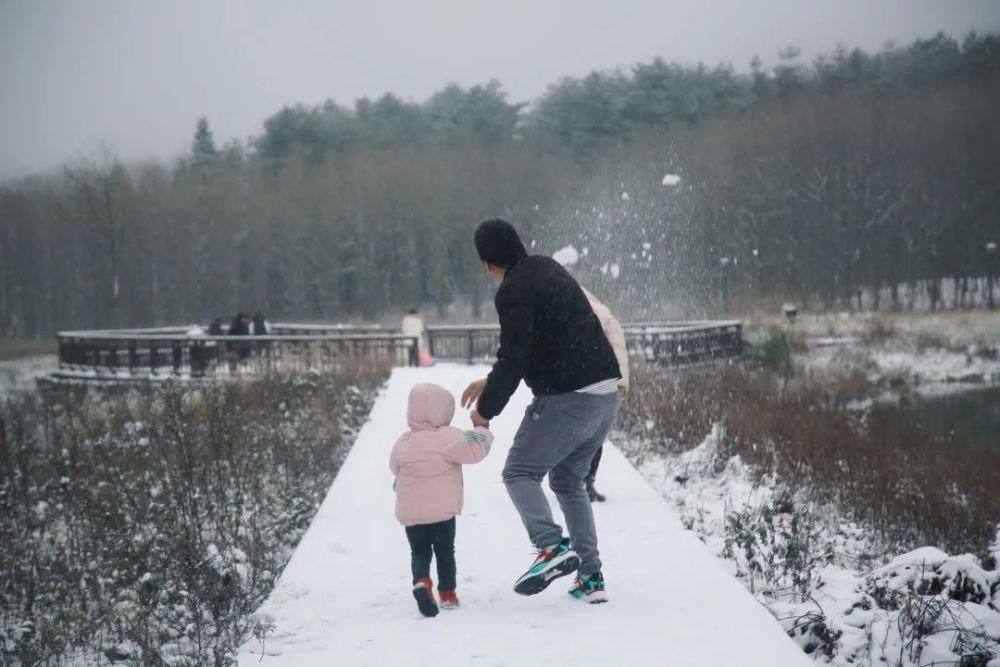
(344, 597)
(842, 606)
(18, 374)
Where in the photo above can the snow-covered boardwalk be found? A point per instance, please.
(344, 598)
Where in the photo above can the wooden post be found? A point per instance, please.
(133, 357)
(469, 340)
(178, 356)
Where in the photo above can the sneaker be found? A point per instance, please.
(423, 593)
(552, 562)
(594, 494)
(590, 589)
(448, 599)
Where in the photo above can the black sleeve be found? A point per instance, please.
(517, 322)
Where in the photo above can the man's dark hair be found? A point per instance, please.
(497, 242)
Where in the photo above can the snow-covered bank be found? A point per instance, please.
(895, 365)
(20, 374)
(955, 329)
(922, 353)
(344, 596)
(822, 576)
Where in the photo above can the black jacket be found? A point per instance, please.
(549, 336)
(238, 328)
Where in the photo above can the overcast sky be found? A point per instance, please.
(134, 75)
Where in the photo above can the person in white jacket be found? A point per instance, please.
(616, 336)
(413, 325)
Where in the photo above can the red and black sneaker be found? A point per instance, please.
(423, 593)
(552, 562)
(449, 600)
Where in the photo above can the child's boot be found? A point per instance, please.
(423, 593)
(449, 600)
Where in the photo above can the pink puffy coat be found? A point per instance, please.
(427, 460)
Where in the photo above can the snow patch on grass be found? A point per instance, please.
(821, 576)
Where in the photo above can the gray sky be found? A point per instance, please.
(134, 75)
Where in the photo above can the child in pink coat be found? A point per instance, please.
(427, 462)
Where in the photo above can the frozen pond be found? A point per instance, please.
(971, 417)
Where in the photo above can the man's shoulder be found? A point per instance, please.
(528, 270)
(511, 292)
(542, 262)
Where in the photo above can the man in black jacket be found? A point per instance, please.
(550, 338)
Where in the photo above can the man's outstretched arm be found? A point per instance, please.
(517, 322)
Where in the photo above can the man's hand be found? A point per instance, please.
(472, 393)
(478, 420)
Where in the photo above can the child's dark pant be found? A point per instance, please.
(437, 537)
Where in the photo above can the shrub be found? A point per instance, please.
(877, 331)
(144, 527)
(777, 543)
(907, 485)
(772, 350)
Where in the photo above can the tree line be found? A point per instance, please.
(858, 180)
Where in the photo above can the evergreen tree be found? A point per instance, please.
(203, 148)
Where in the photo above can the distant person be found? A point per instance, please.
(413, 325)
(427, 462)
(215, 328)
(240, 326)
(616, 336)
(550, 338)
(260, 327)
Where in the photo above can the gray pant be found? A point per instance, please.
(559, 436)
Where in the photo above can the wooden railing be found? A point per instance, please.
(173, 352)
(682, 343)
(668, 343)
(465, 343)
(126, 355)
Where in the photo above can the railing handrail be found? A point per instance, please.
(464, 327)
(150, 331)
(671, 326)
(319, 326)
(694, 325)
(100, 335)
